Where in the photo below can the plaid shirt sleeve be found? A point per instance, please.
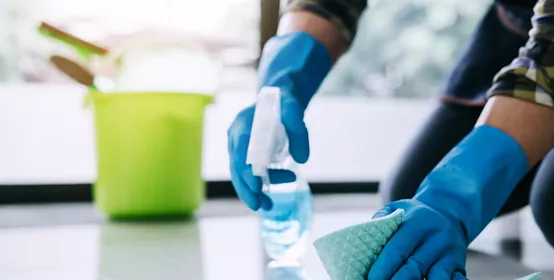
(531, 75)
(345, 14)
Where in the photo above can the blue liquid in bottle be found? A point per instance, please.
(285, 228)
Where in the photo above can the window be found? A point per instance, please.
(391, 57)
(405, 49)
(230, 26)
(48, 134)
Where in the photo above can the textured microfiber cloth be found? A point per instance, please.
(349, 253)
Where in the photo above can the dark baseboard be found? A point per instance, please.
(21, 194)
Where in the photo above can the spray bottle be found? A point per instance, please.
(286, 226)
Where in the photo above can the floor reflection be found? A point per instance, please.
(154, 250)
(286, 270)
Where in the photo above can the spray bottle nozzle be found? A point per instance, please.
(263, 137)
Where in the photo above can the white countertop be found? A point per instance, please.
(47, 136)
(211, 247)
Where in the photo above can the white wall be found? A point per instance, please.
(46, 135)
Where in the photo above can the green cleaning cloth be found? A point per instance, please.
(349, 253)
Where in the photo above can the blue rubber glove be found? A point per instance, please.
(454, 203)
(297, 64)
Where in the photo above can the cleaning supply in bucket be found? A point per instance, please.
(86, 49)
(349, 253)
(81, 74)
(285, 227)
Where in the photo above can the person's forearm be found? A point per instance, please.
(531, 125)
(513, 133)
(321, 29)
(522, 95)
(478, 175)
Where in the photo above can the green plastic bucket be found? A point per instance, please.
(149, 153)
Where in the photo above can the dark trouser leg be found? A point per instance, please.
(445, 127)
(542, 197)
(493, 45)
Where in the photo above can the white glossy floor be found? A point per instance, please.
(73, 242)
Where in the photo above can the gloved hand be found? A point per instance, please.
(462, 194)
(427, 245)
(297, 64)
